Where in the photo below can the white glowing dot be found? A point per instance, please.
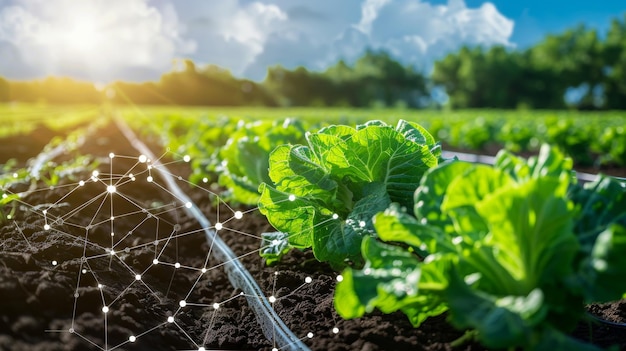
(309, 335)
(274, 349)
(182, 303)
(46, 227)
(9, 216)
(150, 166)
(137, 276)
(272, 299)
(292, 197)
(339, 278)
(201, 348)
(188, 205)
(100, 286)
(216, 306)
(170, 319)
(204, 270)
(95, 174)
(81, 183)
(205, 180)
(112, 252)
(238, 214)
(132, 338)
(111, 155)
(143, 158)
(15, 175)
(155, 261)
(186, 158)
(105, 309)
(112, 234)
(335, 330)
(177, 265)
(111, 189)
(335, 216)
(4, 196)
(308, 280)
(112, 218)
(44, 211)
(218, 226)
(54, 263)
(149, 179)
(361, 224)
(84, 271)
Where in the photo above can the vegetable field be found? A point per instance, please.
(311, 229)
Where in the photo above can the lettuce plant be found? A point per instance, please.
(245, 156)
(326, 192)
(512, 251)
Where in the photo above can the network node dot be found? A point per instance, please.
(204, 270)
(132, 338)
(188, 205)
(155, 261)
(112, 252)
(112, 234)
(361, 224)
(238, 214)
(216, 306)
(170, 319)
(309, 335)
(205, 180)
(218, 226)
(71, 330)
(95, 174)
(274, 349)
(81, 183)
(137, 276)
(100, 286)
(182, 303)
(272, 299)
(335, 216)
(292, 197)
(54, 263)
(105, 309)
(176, 265)
(201, 348)
(143, 158)
(149, 179)
(186, 158)
(335, 330)
(111, 155)
(84, 271)
(308, 280)
(111, 189)
(339, 278)
(46, 227)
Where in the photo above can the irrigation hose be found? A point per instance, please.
(272, 326)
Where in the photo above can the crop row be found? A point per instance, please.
(512, 252)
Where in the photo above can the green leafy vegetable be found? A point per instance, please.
(517, 248)
(326, 192)
(245, 157)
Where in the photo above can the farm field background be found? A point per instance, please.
(57, 161)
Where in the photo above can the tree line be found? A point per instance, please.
(578, 68)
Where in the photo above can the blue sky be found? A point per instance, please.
(137, 40)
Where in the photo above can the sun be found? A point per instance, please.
(82, 35)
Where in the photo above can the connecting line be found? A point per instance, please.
(272, 326)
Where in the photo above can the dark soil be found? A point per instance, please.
(39, 308)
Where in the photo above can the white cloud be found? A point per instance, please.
(369, 12)
(91, 39)
(317, 34)
(137, 39)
